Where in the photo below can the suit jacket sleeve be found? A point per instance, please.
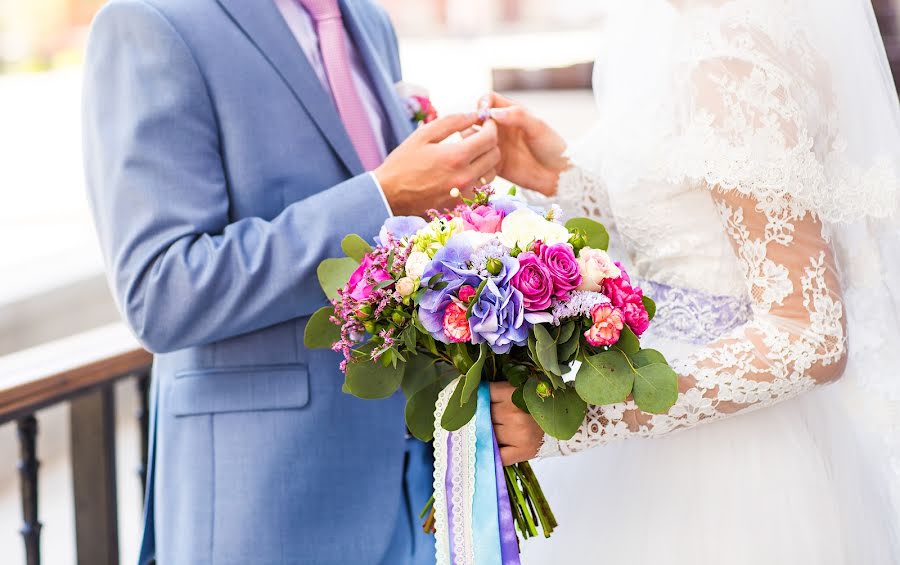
(182, 273)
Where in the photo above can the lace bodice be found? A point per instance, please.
(729, 209)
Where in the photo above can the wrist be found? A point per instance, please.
(391, 189)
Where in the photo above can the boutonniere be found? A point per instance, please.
(417, 102)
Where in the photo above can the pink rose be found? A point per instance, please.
(628, 299)
(456, 325)
(562, 266)
(533, 281)
(607, 325)
(595, 266)
(364, 278)
(484, 219)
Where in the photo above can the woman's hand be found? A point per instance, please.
(518, 435)
(531, 152)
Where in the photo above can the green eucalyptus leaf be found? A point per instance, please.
(321, 332)
(420, 370)
(649, 306)
(655, 388)
(546, 350)
(518, 398)
(560, 414)
(605, 378)
(355, 247)
(420, 408)
(566, 352)
(334, 273)
(628, 343)
(516, 374)
(458, 413)
(473, 375)
(566, 331)
(646, 357)
(595, 232)
(371, 380)
(383, 284)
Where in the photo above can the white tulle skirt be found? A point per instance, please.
(792, 484)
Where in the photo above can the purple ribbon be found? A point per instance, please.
(509, 543)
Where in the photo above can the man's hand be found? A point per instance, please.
(518, 435)
(419, 174)
(531, 152)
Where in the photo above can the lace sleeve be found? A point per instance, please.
(796, 338)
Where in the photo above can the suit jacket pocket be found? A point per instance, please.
(240, 389)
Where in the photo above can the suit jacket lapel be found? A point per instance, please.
(401, 125)
(267, 30)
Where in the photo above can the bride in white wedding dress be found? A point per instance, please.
(747, 162)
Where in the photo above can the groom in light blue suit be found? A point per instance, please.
(230, 145)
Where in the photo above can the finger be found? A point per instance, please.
(479, 142)
(469, 132)
(495, 100)
(512, 455)
(501, 392)
(441, 128)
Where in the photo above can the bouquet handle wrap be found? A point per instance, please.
(473, 518)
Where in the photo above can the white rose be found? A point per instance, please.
(525, 226)
(595, 266)
(416, 263)
(406, 286)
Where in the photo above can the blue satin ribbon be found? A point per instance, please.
(485, 510)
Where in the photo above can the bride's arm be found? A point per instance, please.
(795, 341)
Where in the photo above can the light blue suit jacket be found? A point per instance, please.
(220, 175)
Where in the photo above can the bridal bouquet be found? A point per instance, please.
(492, 290)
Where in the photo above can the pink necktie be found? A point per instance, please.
(327, 16)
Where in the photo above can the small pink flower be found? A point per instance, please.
(364, 278)
(466, 293)
(456, 325)
(484, 219)
(427, 111)
(608, 324)
(628, 299)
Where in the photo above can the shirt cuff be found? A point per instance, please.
(387, 205)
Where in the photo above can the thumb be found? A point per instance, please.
(443, 127)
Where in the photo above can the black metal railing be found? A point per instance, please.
(81, 370)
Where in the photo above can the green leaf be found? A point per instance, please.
(655, 388)
(649, 306)
(420, 408)
(420, 370)
(605, 378)
(532, 347)
(321, 332)
(458, 413)
(384, 284)
(459, 354)
(646, 357)
(566, 331)
(409, 338)
(473, 375)
(518, 398)
(371, 380)
(595, 232)
(628, 343)
(567, 350)
(559, 415)
(355, 247)
(334, 274)
(515, 374)
(546, 350)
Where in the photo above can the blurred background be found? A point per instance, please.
(51, 282)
